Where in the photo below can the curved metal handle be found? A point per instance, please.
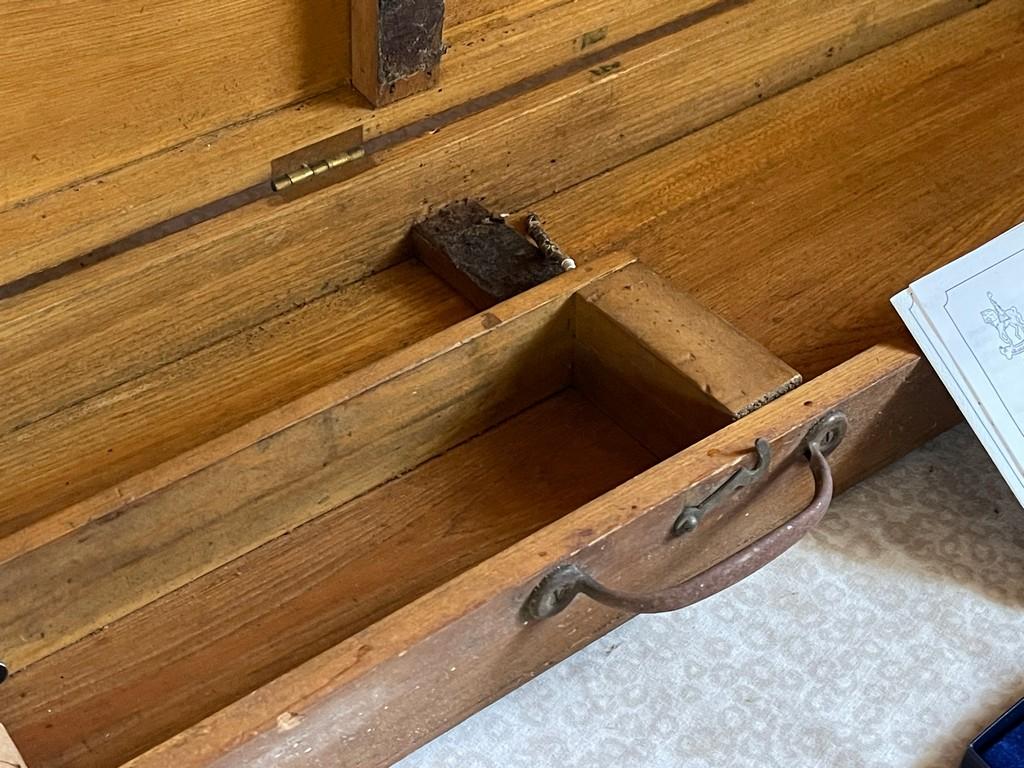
(556, 590)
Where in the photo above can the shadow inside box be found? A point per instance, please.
(942, 515)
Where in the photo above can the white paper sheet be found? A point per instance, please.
(968, 318)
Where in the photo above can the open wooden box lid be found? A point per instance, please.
(116, 116)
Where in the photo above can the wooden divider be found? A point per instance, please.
(663, 365)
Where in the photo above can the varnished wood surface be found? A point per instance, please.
(664, 366)
(141, 680)
(222, 156)
(881, 122)
(393, 686)
(147, 317)
(140, 549)
(217, 389)
(398, 53)
(729, 371)
(371, 374)
(799, 218)
(91, 86)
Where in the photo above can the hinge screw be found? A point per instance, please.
(547, 246)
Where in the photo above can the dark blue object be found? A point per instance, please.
(1002, 743)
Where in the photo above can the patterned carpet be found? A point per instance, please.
(890, 637)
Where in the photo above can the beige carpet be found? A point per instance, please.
(890, 637)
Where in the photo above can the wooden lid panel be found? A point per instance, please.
(137, 189)
(89, 86)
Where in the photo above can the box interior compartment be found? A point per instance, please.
(327, 526)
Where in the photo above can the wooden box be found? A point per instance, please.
(275, 493)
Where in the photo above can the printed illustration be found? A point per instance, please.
(1009, 324)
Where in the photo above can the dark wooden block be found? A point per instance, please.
(479, 255)
(396, 47)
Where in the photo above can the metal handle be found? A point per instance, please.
(556, 590)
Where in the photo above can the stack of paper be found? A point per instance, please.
(968, 318)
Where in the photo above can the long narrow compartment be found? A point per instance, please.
(399, 484)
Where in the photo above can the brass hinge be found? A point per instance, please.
(307, 171)
(319, 165)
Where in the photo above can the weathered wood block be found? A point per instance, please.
(396, 47)
(479, 255)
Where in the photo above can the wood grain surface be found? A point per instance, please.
(217, 389)
(91, 85)
(797, 219)
(111, 328)
(509, 44)
(139, 681)
(396, 47)
(665, 367)
(135, 189)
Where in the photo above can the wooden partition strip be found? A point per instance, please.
(136, 552)
(402, 681)
(796, 220)
(665, 367)
(122, 318)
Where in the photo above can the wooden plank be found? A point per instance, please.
(659, 361)
(384, 691)
(396, 47)
(184, 404)
(174, 292)
(148, 77)
(57, 228)
(123, 690)
(464, 10)
(796, 220)
(132, 192)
